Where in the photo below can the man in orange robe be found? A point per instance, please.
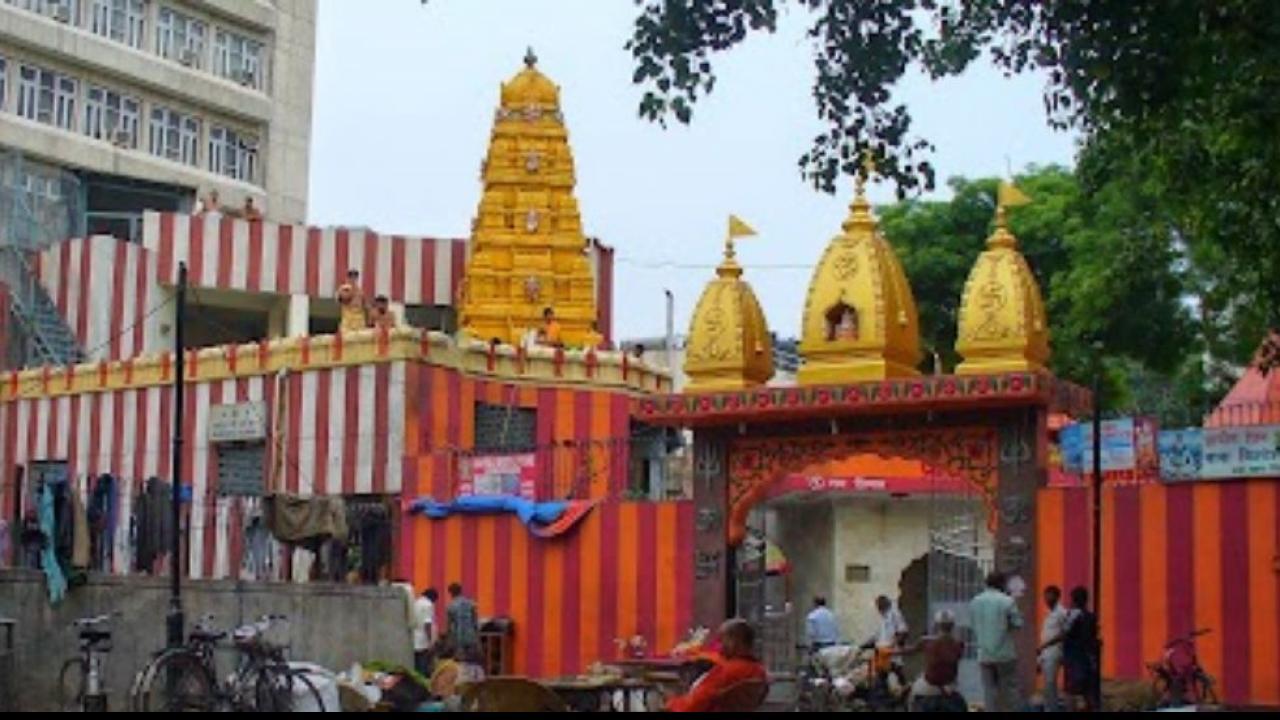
(735, 665)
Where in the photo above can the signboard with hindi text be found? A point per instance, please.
(1241, 452)
(238, 422)
(512, 474)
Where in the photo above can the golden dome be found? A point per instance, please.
(860, 321)
(530, 88)
(1002, 324)
(729, 344)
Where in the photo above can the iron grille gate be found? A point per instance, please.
(960, 556)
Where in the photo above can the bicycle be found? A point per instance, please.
(81, 685)
(1178, 678)
(815, 691)
(187, 676)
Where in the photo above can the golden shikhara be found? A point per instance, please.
(1002, 322)
(729, 345)
(528, 251)
(860, 320)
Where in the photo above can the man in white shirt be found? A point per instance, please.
(891, 635)
(1054, 627)
(424, 635)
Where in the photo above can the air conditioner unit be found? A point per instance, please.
(187, 56)
(60, 12)
(122, 138)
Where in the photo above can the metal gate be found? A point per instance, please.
(961, 553)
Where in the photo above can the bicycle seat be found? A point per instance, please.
(95, 637)
(202, 635)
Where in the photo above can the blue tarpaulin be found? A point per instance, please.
(529, 512)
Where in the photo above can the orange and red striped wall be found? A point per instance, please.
(625, 569)
(1177, 558)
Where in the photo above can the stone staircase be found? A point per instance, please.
(49, 340)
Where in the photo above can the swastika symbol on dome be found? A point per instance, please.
(846, 265)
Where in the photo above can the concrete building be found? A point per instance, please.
(110, 107)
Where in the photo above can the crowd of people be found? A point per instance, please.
(1068, 652)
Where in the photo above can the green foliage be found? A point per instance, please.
(1178, 102)
(1106, 268)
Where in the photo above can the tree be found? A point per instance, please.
(1180, 98)
(1107, 274)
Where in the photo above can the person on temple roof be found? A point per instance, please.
(353, 311)
(381, 315)
(550, 332)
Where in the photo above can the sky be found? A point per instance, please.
(404, 101)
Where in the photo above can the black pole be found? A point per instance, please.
(1097, 510)
(175, 619)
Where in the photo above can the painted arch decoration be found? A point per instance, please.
(969, 454)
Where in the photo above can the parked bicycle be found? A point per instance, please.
(81, 682)
(185, 679)
(1178, 678)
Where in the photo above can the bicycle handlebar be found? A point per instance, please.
(96, 619)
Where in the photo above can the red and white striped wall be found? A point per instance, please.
(103, 288)
(106, 288)
(343, 431)
(234, 254)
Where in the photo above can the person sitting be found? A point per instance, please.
(550, 332)
(381, 316)
(736, 664)
(352, 310)
(594, 340)
(891, 636)
(251, 211)
(935, 689)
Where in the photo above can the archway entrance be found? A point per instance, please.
(986, 433)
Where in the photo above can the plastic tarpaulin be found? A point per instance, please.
(543, 519)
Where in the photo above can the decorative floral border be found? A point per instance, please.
(905, 393)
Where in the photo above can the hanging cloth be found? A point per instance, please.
(79, 532)
(56, 581)
(102, 521)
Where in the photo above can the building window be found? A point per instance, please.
(238, 58)
(180, 38)
(110, 116)
(4, 82)
(46, 96)
(120, 20)
(174, 135)
(233, 154)
(61, 10)
(505, 429)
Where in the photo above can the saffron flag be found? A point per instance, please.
(738, 229)
(1010, 196)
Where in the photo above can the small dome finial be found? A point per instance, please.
(530, 57)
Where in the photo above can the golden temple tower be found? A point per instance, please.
(860, 321)
(1002, 325)
(729, 345)
(528, 251)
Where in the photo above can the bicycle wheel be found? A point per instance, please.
(1203, 691)
(177, 681)
(280, 688)
(71, 680)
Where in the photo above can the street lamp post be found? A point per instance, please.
(174, 620)
(1097, 506)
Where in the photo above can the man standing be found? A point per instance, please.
(821, 628)
(424, 635)
(995, 618)
(550, 333)
(464, 626)
(1054, 627)
(353, 313)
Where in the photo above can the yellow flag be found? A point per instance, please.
(738, 229)
(1010, 196)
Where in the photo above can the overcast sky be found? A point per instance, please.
(404, 100)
